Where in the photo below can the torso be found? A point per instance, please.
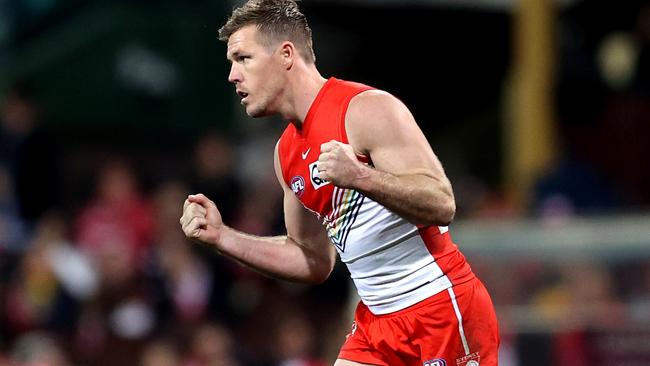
(393, 263)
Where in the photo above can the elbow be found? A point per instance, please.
(448, 213)
(314, 277)
(442, 214)
(319, 279)
(321, 272)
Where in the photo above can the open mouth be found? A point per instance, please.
(242, 94)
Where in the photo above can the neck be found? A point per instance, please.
(304, 85)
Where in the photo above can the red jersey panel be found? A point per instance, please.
(393, 263)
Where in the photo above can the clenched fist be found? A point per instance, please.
(338, 164)
(201, 219)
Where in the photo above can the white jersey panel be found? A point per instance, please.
(387, 259)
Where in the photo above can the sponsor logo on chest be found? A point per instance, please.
(316, 181)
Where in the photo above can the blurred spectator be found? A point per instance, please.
(571, 188)
(258, 176)
(160, 353)
(211, 345)
(638, 301)
(583, 296)
(603, 103)
(118, 216)
(475, 199)
(12, 231)
(31, 294)
(296, 342)
(186, 279)
(195, 282)
(166, 211)
(38, 349)
(260, 219)
(115, 228)
(213, 175)
(116, 323)
(50, 282)
(30, 153)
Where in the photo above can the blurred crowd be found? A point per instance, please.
(113, 281)
(106, 277)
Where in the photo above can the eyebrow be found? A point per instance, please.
(231, 56)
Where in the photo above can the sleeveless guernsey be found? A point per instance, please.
(393, 263)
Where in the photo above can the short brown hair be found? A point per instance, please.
(277, 21)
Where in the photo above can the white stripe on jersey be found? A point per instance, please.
(388, 261)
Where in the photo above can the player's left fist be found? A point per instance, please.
(338, 164)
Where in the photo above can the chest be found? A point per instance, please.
(299, 166)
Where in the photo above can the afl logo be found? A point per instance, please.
(436, 362)
(298, 185)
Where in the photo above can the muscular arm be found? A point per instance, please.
(407, 177)
(303, 255)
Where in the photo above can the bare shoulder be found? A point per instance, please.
(377, 104)
(373, 116)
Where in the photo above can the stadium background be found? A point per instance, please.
(112, 111)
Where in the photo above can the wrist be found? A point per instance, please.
(219, 237)
(363, 178)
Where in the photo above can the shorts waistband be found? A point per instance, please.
(438, 297)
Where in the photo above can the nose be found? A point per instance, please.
(234, 76)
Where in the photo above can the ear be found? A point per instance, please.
(288, 54)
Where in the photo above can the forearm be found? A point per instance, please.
(418, 197)
(279, 257)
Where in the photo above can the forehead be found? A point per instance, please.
(243, 39)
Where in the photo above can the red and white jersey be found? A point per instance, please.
(393, 263)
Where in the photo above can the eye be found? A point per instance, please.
(243, 58)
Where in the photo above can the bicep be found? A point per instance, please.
(302, 226)
(382, 127)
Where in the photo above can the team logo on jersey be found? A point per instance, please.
(316, 181)
(436, 362)
(298, 185)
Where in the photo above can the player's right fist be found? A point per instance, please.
(201, 219)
